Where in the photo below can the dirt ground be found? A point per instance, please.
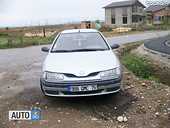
(146, 104)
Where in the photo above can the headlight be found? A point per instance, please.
(53, 77)
(110, 74)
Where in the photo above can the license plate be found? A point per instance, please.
(83, 88)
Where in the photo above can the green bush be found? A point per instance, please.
(105, 29)
(3, 34)
(140, 66)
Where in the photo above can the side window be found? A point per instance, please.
(124, 19)
(134, 8)
(157, 18)
(140, 9)
(113, 20)
(124, 15)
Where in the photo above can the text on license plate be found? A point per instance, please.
(83, 88)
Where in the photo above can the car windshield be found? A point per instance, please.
(77, 42)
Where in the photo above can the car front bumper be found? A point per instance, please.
(61, 89)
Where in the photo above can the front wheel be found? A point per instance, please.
(42, 88)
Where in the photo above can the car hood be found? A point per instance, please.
(80, 63)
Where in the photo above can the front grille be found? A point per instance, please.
(55, 88)
(72, 75)
(80, 83)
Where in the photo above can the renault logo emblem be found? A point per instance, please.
(81, 73)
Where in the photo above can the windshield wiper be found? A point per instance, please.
(78, 50)
(60, 51)
(84, 50)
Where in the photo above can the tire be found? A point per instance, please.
(42, 89)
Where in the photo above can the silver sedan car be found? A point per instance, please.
(80, 62)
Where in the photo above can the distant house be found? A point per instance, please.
(87, 24)
(158, 14)
(124, 13)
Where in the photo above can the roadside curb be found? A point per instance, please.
(156, 52)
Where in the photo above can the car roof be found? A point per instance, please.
(79, 30)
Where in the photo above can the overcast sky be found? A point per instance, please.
(35, 12)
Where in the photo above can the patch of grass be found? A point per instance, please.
(37, 40)
(21, 41)
(140, 66)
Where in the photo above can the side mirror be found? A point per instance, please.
(115, 46)
(45, 49)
